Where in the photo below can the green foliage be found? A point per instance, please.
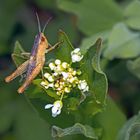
(131, 129)
(89, 108)
(14, 112)
(122, 43)
(134, 66)
(7, 22)
(95, 77)
(111, 120)
(17, 55)
(93, 16)
(87, 42)
(78, 128)
(84, 21)
(132, 15)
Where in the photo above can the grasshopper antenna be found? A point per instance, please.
(46, 24)
(38, 21)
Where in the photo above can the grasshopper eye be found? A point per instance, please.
(42, 39)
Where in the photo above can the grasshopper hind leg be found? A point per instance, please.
(19, 71)
(31, 77)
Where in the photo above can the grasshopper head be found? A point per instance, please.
(43, 40)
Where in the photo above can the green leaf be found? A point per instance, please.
(131, 129)
(17, 56)
(65, 48)
(93, 16)
(78, 128)
(134, 66)
(132, 15)
(96, 79)
(89, 41)
(122, 43)
(111, 120)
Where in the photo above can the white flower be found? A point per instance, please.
(56, 107)
(65, 75)
(57, 62)
(46, 87)
(52, 66)
(65, 65)
(55, 74)
(76, 55)
(50, 79)
(51, 85)
(43, 83)
(46, 75)
(77, 50)
(83, 85)
(58, 69)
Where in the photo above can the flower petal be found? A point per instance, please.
(76, 50)
(48, 106)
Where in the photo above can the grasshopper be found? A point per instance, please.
(36, 61)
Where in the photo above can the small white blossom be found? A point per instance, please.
(46, 75)
(76, 55)
(52, 66)
(57, 62)
(46, 87)
(43, 83)
(65, 65)
(58, 69)
(55, 74)
(83, 85)
(56, 107)
(71, 80)
(50, 79)
(51, 85)
(65, 75)
(77, 50)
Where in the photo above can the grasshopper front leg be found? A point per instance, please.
(19, 71)
(53, 47)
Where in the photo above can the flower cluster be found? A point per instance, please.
(62, 79)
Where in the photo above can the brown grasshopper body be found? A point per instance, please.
(34, 65)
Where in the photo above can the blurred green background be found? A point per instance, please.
(116, 21)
